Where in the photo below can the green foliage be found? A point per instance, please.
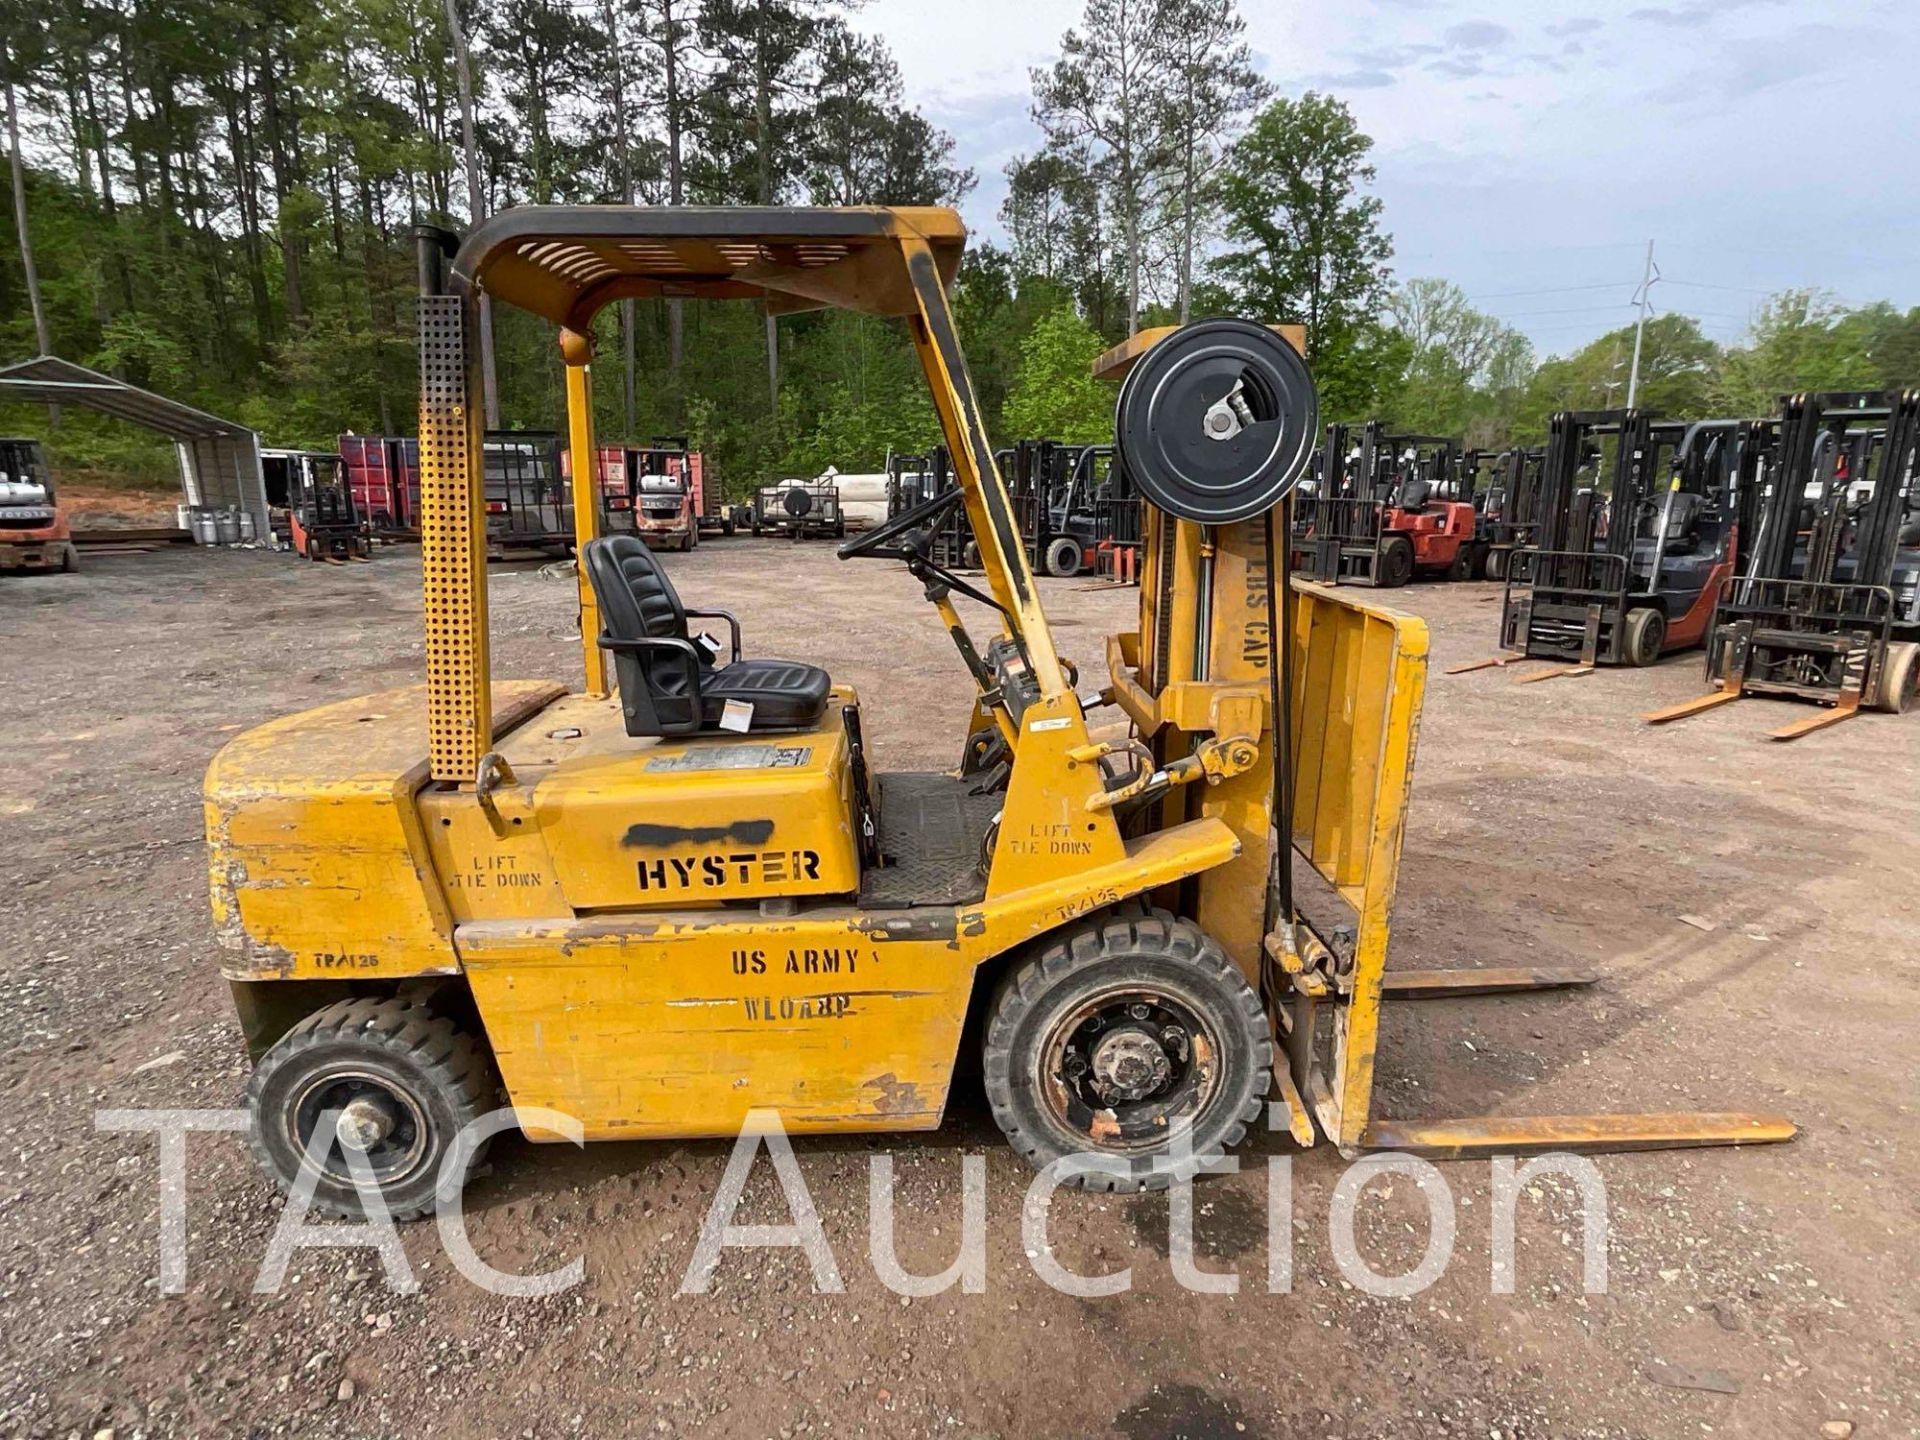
(1305, 241)
(1466, 372)
(222, 193)
(1801, 340)
(1054, 393)
(1677, 368)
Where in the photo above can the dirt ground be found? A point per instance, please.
(1548, 827)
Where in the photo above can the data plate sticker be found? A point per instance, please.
(736, 757)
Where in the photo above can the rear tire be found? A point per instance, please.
(69, 559)
(1645, 637)
(1897, 688)
(1063, 558)
(1396, 563)
(399, 1064)
(1462, 566)
(970, 556)
(1117, 1030)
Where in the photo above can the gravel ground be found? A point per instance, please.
(1548, 828)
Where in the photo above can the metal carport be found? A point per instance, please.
(219, 459)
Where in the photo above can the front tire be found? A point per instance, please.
(401, 1079)
(1646, 636)
(1497, 564)
(1897, 688)
(1396, 563)
(1116, 1032)
(1063, 557)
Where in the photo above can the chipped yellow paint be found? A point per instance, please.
(675, 1012)
(318, 859)
(596, 820)
(678, 1023)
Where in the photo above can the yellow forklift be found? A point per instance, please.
(678, 893)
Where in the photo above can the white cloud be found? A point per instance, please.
(1528, 145)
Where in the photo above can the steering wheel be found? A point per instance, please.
(880, 540)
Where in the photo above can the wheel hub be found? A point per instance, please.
(364, 1123)
(1129, 1065)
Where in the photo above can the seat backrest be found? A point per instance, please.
(1413, 494)
(1684, 514)
(637, 601)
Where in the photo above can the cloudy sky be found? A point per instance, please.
(1528, 151)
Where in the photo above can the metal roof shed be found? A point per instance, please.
(219, 459)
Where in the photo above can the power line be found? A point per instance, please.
(1571, 310)
(1557, 290)
(1731, 289)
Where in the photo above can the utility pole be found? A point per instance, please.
(476, 204)
(1645, 301)
(1613, 373)
(42, 335)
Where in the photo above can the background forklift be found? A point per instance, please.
(323, 522)
(663, 904)
(34, 532)
(1389, 508)
(666, 496)
(1624, 571)
(1507, 505)
(1828, 606)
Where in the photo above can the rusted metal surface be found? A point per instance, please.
(1440, 984)
(1845, 708)
(1577, 1134)
(1557, 672)
(1728, 692)
(1490, 663)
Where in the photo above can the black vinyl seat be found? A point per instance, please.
(669, 685)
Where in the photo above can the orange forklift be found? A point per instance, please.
(34, 534)
(323, 523)
(1390, 509)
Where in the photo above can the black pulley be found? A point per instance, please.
(798, 502)
(1217, 421)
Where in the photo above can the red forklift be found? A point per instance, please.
(1827, 608)
(666, 481)
(1392, 507)
(34, 534)
(313, 487)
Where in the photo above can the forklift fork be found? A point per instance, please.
(1472, 1137)
(1491, 662)
(1589, 655)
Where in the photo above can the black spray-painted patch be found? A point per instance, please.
(743, 832)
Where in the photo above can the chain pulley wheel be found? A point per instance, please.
(1217, 422)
